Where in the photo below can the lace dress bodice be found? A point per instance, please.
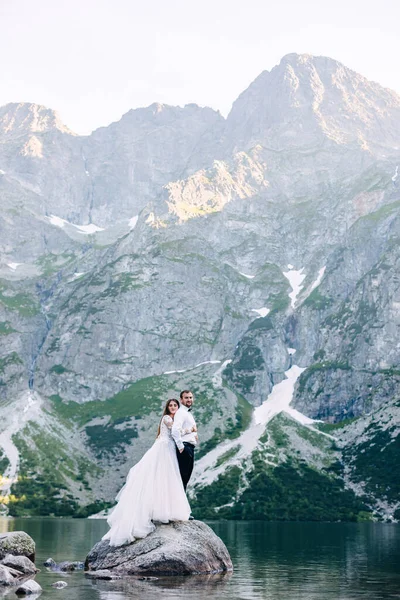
(165, 429)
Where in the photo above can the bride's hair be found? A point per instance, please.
(166, 412)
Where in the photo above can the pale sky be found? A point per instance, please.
(93, 60)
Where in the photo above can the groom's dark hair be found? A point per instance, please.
(185, 392)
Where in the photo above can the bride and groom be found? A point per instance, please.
(155, 489)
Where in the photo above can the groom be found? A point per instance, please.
(184, 433)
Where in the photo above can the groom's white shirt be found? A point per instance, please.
(183, 421)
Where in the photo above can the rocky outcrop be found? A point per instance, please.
(20, 563)
(182, 548)
(59, 585)
(28, 588)
(65, 566)
(17, 543)
(17, 553)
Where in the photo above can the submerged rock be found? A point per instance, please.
(50, 562)
(17, 543)
(59, 585)
(181, 548)
(64, 566)
(28, 588)
(68, 565)
(102, 574)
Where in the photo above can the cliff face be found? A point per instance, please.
(249, 258)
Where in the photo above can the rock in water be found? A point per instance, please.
(59, 585)
(28, 588)
(20, 563)
(17, 543)
(181, 548)
(50, 562)
(6, 577)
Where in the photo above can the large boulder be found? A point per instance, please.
(30, 587)
(22, 564)
(17, 543)
(180, 548)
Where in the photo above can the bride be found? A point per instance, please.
(153, 490)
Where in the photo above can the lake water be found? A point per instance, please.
(272, 561)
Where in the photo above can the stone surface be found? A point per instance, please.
(20, 563)
(6, 577)
(59, 585)
(17, 543)
(182, 548)
(50, 562)
(28, 588)
(66, 565)
(102, 574)
(69, 566)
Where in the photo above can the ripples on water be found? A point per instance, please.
(272, 561)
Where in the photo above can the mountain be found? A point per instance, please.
(253, 259)
(307, 101)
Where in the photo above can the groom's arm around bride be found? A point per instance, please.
(184, 433)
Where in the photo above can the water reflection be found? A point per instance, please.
(273, 561)
(311, 560)
(202, 586)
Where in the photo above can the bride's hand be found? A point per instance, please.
(194, 428)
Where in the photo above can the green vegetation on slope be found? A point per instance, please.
(247, 359)
(109, 438)
(5, 328)
(376, 461)
(233, 428)
(24, 304)
(288, 492)
(4, 462)
(10, 359)
(46, 465)
(145, 397)
(142, 397)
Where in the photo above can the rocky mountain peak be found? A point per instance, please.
(161, 114)
(306, 99)
(25, 117)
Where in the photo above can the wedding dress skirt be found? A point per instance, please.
(153, 492)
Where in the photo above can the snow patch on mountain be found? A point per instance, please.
(316, 283)
(206, 362)
(280, 398)
(132, 222)
(206, 469)
(217, 377)
(263, 312)
(295, 279)
(85, 229)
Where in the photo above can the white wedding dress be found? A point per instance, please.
(153, 492)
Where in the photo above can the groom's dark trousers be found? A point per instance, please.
(186, 461)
